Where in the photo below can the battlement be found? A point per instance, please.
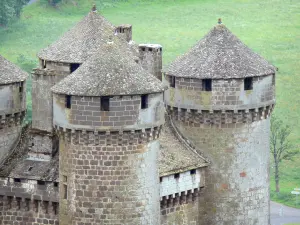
(117, 137)
(12, 119)
(223, 118)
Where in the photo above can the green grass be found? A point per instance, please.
(270, 27)
(292, 224)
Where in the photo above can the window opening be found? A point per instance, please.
(160, 179)
(30, 168)
(68, 101)
(21, 88)
(17, 180)
(44, 64)
(104, 104)
(74, 66)
(65, 191)
(55, 184)
(248, 83)
(172, 81)
(144, 101)
(176, 175)
(193, 171)
(41, 182)
(206, 85)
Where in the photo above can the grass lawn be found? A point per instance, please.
(270, 27)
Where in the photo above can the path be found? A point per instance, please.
(289, 215)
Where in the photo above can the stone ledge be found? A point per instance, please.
(8, 120)
(117, 137)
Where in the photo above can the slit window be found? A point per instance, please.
(30, 168)
(248, 83)
(65, 190)
(68, 102)
(193, 172)
(104, 104)
(44, 64)
(206, 84)
(21, 88)
(172, 81)
(41, 182)
(74, 66)
(144, 101)
(176, 175)
(160, 179)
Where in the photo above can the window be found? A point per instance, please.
(44, 64)
(18, 200)
(30, 168)
(104, 104)
(193, 172)
(144, 101)
(74, 66)
(21, 88)
(248, 83)
(206, 84)
(41, 182)
(55, 184)
(176, 175)
(65, 191)
(68, 101)
(172, 81)
(160, 179)
(17, 180)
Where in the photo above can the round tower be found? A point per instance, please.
(109, 115)
(12, 105)
(220, 97)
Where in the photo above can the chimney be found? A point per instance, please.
(124, 30)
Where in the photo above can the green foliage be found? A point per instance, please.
(51, 2)
(10, 9)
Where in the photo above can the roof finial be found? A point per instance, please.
(219, 21)
(94, 9)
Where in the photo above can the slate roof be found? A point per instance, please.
(175, 155)
(81, 41)
(10, 73)
(219, 55)
(111, 71)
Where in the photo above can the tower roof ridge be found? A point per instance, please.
(10, 73)
(219, 55)
(111, 71)
(81, 41)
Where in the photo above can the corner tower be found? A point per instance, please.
(109, 115)
(220, 97)
(12, 105)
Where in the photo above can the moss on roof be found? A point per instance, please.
(219, 55)
(111, 71)
(10, 73)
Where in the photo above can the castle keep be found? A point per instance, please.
(117, 139)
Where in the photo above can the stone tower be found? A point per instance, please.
(12, 105)
(109, 115)
(220, 97)
(56, 62)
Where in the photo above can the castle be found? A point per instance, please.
(116, 139)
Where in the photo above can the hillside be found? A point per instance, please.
(270, 27)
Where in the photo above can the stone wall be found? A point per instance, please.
(42, 81)
(228, 94)
(184, 213)
(151, 58)
(124, 112)
(110, 180)
(237, 181)
(27, 203)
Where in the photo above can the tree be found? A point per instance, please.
(281, 147)
(10, 9)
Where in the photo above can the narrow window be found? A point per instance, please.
(17, 180)
(143, 49)
(248, 83)
(68, 101)
(55, 184)
(160, 179)
(21, 88)
(144, 101)
(36, 205)
(206, 84)
(65, 190)
(150, 49)
(104, 104)
(193, 172)
(18, 199)
(27, 204)
(44, 64)
(176, 175)
(74, 66)
(54, 206)
(172, 81)
(30, 168)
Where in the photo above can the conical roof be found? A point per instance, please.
(81, 41)
(10, 73)
(219, 55)
(111, 71)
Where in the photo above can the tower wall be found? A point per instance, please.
(109, 171)
(231, 128)
(151, 58)
(43, 79)
(12, 112)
